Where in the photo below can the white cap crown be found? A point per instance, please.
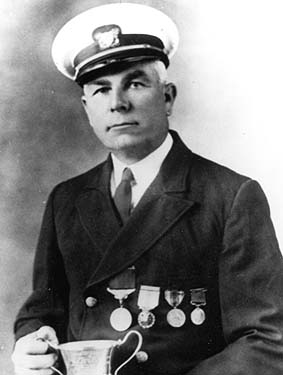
(111, 33)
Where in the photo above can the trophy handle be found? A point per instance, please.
(56, 370)
(54, 348)
(121, 342)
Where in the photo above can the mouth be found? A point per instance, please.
(122, 125)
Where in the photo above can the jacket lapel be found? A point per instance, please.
(161, 206)
(96, 210)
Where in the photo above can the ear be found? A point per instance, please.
(83, 100)
(170, 93)
(84, 103)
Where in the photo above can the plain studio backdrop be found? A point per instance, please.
(228, 71)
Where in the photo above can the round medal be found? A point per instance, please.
(176, 318)
(121, 319)
(198, 316)
(146, 319)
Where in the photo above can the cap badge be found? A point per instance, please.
(107, 36)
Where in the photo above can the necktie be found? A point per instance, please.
(123, 194)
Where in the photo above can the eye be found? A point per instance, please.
(136, 84)
(101, 90)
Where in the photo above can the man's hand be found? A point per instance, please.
(30, 355)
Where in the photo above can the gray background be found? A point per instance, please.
(229, 108)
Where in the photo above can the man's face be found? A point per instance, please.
(127, 110)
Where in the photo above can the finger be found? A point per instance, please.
(47, 333)
(36, 361)
(25, 371)
(30, 345)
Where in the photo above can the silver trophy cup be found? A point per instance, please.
(93, 357)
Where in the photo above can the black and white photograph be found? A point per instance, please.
(141, 201)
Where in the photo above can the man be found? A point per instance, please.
(156, 238)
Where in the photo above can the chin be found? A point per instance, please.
(127, 141)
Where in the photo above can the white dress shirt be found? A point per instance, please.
(144, 171)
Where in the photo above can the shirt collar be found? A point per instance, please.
(145, 168)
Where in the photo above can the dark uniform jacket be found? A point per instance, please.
(199, 225)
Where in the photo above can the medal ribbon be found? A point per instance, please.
(148, 297)
(174, 297)
(198, 297)
(123, 284)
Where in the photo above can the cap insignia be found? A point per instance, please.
(107, 36)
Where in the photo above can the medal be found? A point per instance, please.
(175, 317)
(198, 316)
(146, 319)
(198, 298)
(148, 299)
(121, 287)
(121, 319)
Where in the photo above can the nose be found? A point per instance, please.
(119, 101)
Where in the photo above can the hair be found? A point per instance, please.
(161, 70)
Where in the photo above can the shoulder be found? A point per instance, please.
(210, 173)
(71, 188)
(203, 173)
(220, 187)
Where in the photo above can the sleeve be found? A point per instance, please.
(48, 302)
(251, 291)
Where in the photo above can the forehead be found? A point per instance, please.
(142, 69)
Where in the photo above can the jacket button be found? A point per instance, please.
(142, 356)
(91, 301)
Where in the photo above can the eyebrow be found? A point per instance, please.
(101, 82)
(136, 74)
(131, 75)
